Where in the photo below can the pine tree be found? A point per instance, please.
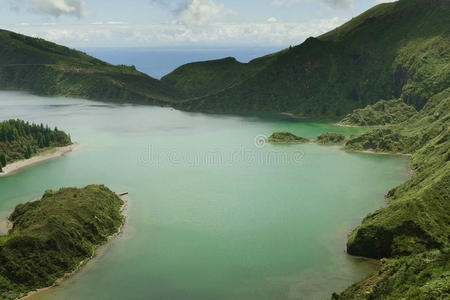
(2, 159)
(28, 152)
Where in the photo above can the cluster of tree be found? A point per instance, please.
(20, 139)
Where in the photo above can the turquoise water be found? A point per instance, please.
(211, 215)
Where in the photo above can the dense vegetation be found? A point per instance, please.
(331, 138)
(45, 68)
(21, 140)
(421, 276)
(394, 50)
(381, 113)
(414, 229)
(204, 78)
(398, 50)
(286, 138)
(52, 236)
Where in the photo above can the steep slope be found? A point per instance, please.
(45, 68)
(417, 217)
(413, 231)
(209, 77)
(394, 50)
(422, 276)
(381, 113)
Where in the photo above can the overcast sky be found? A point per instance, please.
(173, 23)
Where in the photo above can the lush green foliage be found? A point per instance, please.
(52, 236)
(331, 138)
(417, 217)
(20, 139)
(395, 50)
(417, 221)
(286, 138)
(45, 68)
(209, 77)
(381, 113)
(423, 276)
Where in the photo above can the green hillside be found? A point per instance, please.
(52, 236)
(45, 68)
(381, 113)
(413, 231)
(209, 77)
(398, 50)
(418, 277)
(394, 50)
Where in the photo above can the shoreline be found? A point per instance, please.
(5, 226)
(375, 152)
(86, 260)
(360, 126)
(44, 156)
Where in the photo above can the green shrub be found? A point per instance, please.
(50, 237)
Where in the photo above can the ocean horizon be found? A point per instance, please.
(160, 61)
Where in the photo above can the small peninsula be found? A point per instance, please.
(23, 144)
(331, 138)
(53, 236)
(290, 138)
(286, 138)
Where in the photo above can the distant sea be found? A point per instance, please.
(158, 62)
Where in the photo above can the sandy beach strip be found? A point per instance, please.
(49, 154)
(5, 225)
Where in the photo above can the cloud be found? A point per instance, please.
(159, 35)
(340, 3)
(385, 1)
(284, 2)
(171, 5)
(203, 12)
(344, 4)
(58, 7)
(272, 20)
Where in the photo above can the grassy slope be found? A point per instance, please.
(50, 237)
(423, 276)
(394, 50)
(381, 113)
(414, 229)
(417, 218)
(46, 68)
(209, 77)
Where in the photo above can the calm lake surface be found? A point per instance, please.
(211, 215)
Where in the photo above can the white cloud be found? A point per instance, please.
(272, 20)
(58, 7)
(203, 12)
(284, 2)
(115, 23)
(224, 34)
(344, 4)
(340, 3)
